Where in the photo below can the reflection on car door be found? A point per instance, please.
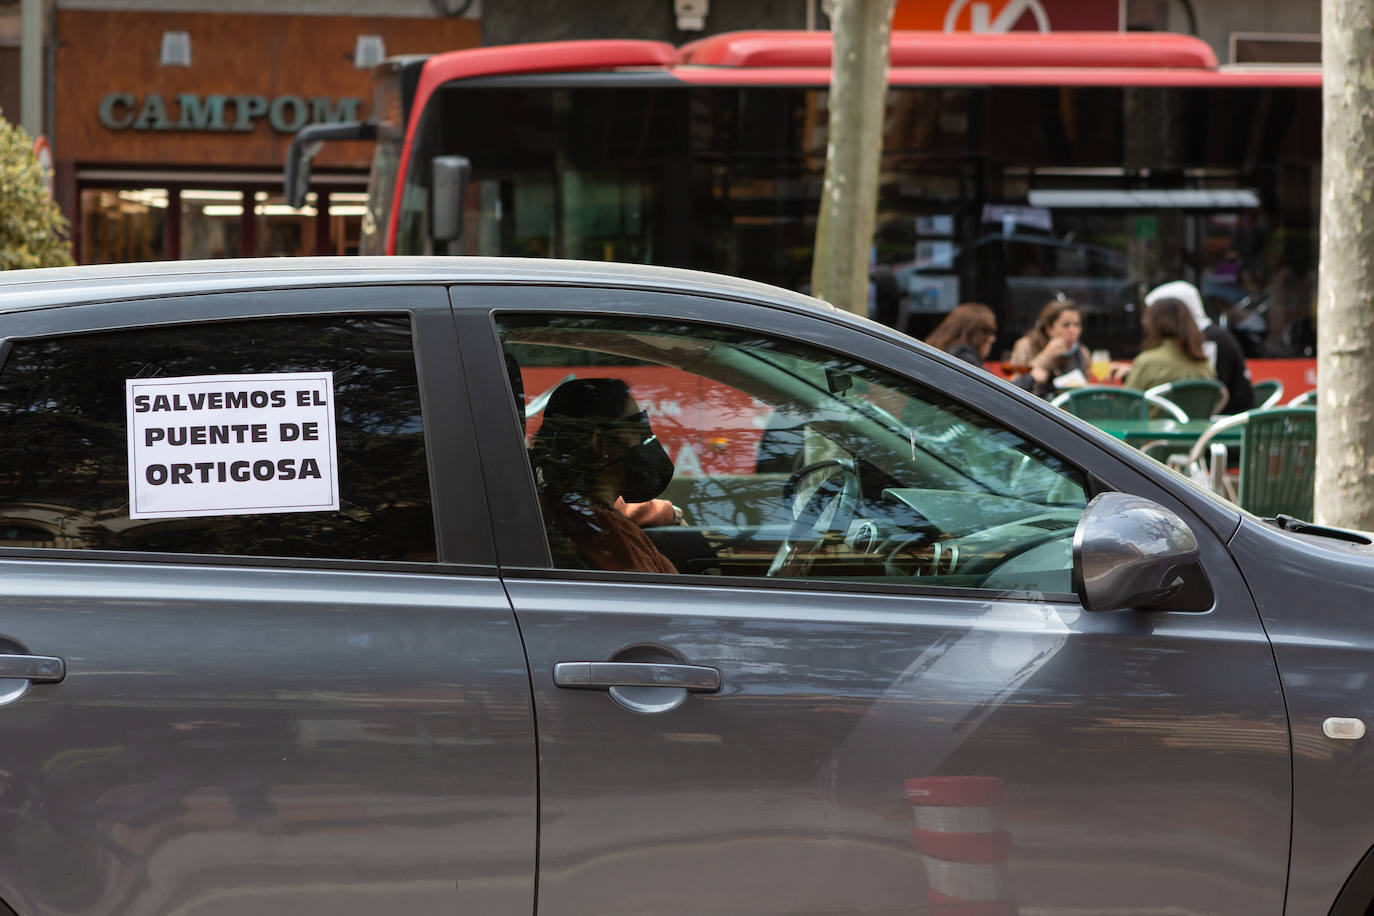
(281, 741)
(335, 719)
(1059, 760)
(891, 750)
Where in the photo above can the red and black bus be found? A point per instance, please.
(1015, 168)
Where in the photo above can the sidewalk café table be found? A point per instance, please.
(1139, 432)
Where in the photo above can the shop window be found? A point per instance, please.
(346, 210)
(283, 231)
(211, 223)
(123, 225)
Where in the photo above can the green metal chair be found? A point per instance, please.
(1200, 398)
(1268, 393)
(1165, 450)
(1278, 461)
(1306, 399)
(1110, 402)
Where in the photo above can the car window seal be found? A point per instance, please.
(340, 564)
(873, 587)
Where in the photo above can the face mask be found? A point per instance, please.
(1071, 350)
(648, 471)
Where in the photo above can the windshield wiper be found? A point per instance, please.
(1298, 526)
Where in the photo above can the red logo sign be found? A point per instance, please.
(1008, 15)
(43, 152)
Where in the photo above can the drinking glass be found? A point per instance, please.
(1100, 365)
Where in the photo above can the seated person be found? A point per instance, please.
(1218, 344)
(651, 514)
(1172, 350)
(1051, 349)
(967, 333)
(594, 448)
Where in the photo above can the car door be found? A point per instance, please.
(228, 689)
(864, 742)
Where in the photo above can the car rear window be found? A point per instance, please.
(315, 421)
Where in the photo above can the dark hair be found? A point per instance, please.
(970, 324)
(564, 461)
(1039, 335)
(1170, 319)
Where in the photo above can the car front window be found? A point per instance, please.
(786, 461)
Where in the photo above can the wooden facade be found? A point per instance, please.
(268, 57)
(126, 120)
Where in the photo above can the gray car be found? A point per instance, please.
(483, 586)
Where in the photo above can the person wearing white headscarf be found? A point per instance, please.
(1220, 345)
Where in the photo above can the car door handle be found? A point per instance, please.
(41, 669)
(605, 675)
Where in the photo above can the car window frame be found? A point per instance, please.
(518, 526)
(462, 540)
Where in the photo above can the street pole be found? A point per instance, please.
(31, 67)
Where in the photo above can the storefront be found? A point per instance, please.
(171, 128)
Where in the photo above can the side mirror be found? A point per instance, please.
(1129, 552)
(447, 189)
(306, 144)
(298, 172)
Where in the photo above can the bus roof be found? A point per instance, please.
(918, 58)
(802, 58)
(961, 49)
(549, 57)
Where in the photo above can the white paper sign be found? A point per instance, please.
(232, 445)
(1074, 378)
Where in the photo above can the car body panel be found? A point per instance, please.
(1106, 734)
(283, 735)
(226, 735)
(1116, 740)
(1323, 639)
(286, 735)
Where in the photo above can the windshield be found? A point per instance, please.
(386, 161)
(969, 452)
(1010, 196)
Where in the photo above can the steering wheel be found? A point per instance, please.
(829, 509)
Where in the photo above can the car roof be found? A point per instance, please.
(58, 287)
(54, 287)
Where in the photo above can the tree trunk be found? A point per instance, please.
(849, 199)
(1345, 297)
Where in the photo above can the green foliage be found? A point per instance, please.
(32, 228)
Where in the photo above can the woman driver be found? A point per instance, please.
(594, 448)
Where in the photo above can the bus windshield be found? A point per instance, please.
(388, 115)
(1008, 195)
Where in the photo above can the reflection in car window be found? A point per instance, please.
(787, 462)
(64, 468)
